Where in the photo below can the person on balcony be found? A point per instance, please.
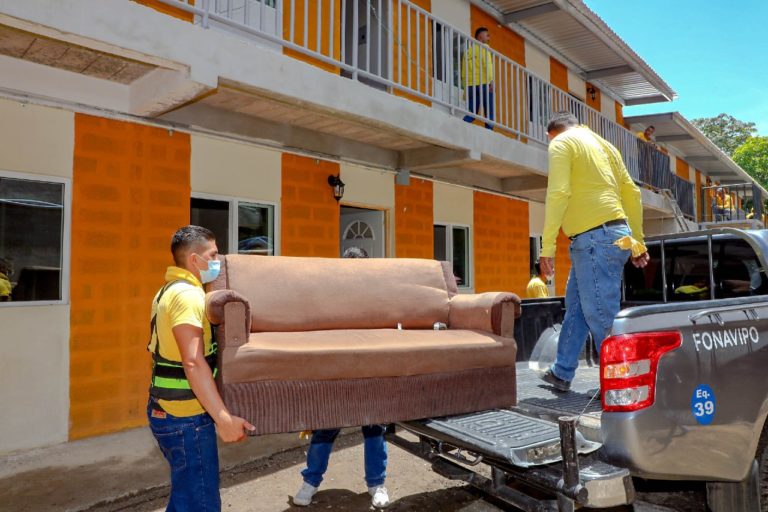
(647, 134)
(477, 77)
(593, 198)
(537, 286)
(723, 206)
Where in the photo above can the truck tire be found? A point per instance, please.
(761, 456)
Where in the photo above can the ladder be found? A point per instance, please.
(676, 211)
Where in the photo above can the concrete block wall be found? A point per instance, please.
(310, 214)
(501, 244)
(414, 220)
(130, 193)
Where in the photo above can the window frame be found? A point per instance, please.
(470, 251)
(66, 237)
(232, 227)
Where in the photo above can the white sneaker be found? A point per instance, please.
(380, 497)
(304, 496)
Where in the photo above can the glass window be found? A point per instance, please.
(31, 240)
(241, 227)
(688, 277)
(452, 244)
(645, 285)
(738, 273)
(255, 229)
(214, 215)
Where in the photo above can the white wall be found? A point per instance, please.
(453, 205)
(536, 218)
(608, 107)
(235, 169)
(34, 346)
(537, 61)
(576, 85)
(454, 12)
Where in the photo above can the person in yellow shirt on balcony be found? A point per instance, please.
(592, 197)
(647, 134)
(477, 77)
(723, 205)
(537, 287)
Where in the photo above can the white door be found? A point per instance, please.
(261, 15)
(363, 229)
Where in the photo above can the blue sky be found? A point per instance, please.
(713, 53)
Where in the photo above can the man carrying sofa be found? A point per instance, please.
(184, 404)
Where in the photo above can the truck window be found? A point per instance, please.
(688, 278)
(738, 272)
(645, 285)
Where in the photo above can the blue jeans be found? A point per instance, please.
(374, 449)
(592, 296)
(189, 446)
(477, 95)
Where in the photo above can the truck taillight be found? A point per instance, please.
(628, 365)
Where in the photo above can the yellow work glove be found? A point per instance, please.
(305, 434)
(627, 243)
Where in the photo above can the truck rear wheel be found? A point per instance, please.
(762, 467)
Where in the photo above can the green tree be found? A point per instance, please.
(752, 156)
(727, 132)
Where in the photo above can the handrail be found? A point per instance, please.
(406, 49)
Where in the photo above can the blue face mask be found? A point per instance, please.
(214, 267)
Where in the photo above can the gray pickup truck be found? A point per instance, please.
(678, 400)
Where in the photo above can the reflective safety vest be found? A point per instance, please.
(169, 382)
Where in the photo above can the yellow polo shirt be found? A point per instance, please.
(182, 303)
(536, 289)
(5, 286)
(588, 185)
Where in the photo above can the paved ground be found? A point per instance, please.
(266, 485)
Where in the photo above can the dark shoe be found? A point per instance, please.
(556, 382)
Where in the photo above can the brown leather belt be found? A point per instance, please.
(616, 222)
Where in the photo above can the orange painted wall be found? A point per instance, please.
(405, 58)
(414, 220)
(503, 40)
(309, 213)
(131, 189)
(620, 113)
(558, 74)
(594, 103)
(562, 263)
(501, 244)
(167, 9)
(312, 29)
(681, 168)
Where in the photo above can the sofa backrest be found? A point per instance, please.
(304, 294)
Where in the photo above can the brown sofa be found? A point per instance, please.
(310, 343)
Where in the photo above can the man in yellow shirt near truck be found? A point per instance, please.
(591, 196)
(185, 409)
(477, 76)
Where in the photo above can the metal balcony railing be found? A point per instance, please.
(731, 203)
(396, 46)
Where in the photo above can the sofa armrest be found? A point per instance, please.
(493, 312)
(231, 313)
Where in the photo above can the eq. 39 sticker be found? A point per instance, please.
(703, 404)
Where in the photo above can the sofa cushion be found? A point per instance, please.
(368, 353)
(304, 294)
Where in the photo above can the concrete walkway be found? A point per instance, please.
(81, 474)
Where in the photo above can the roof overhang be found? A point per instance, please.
(675, 131)
(573, 33)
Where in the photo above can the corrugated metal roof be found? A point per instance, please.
(675, 131)
(575, 33)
